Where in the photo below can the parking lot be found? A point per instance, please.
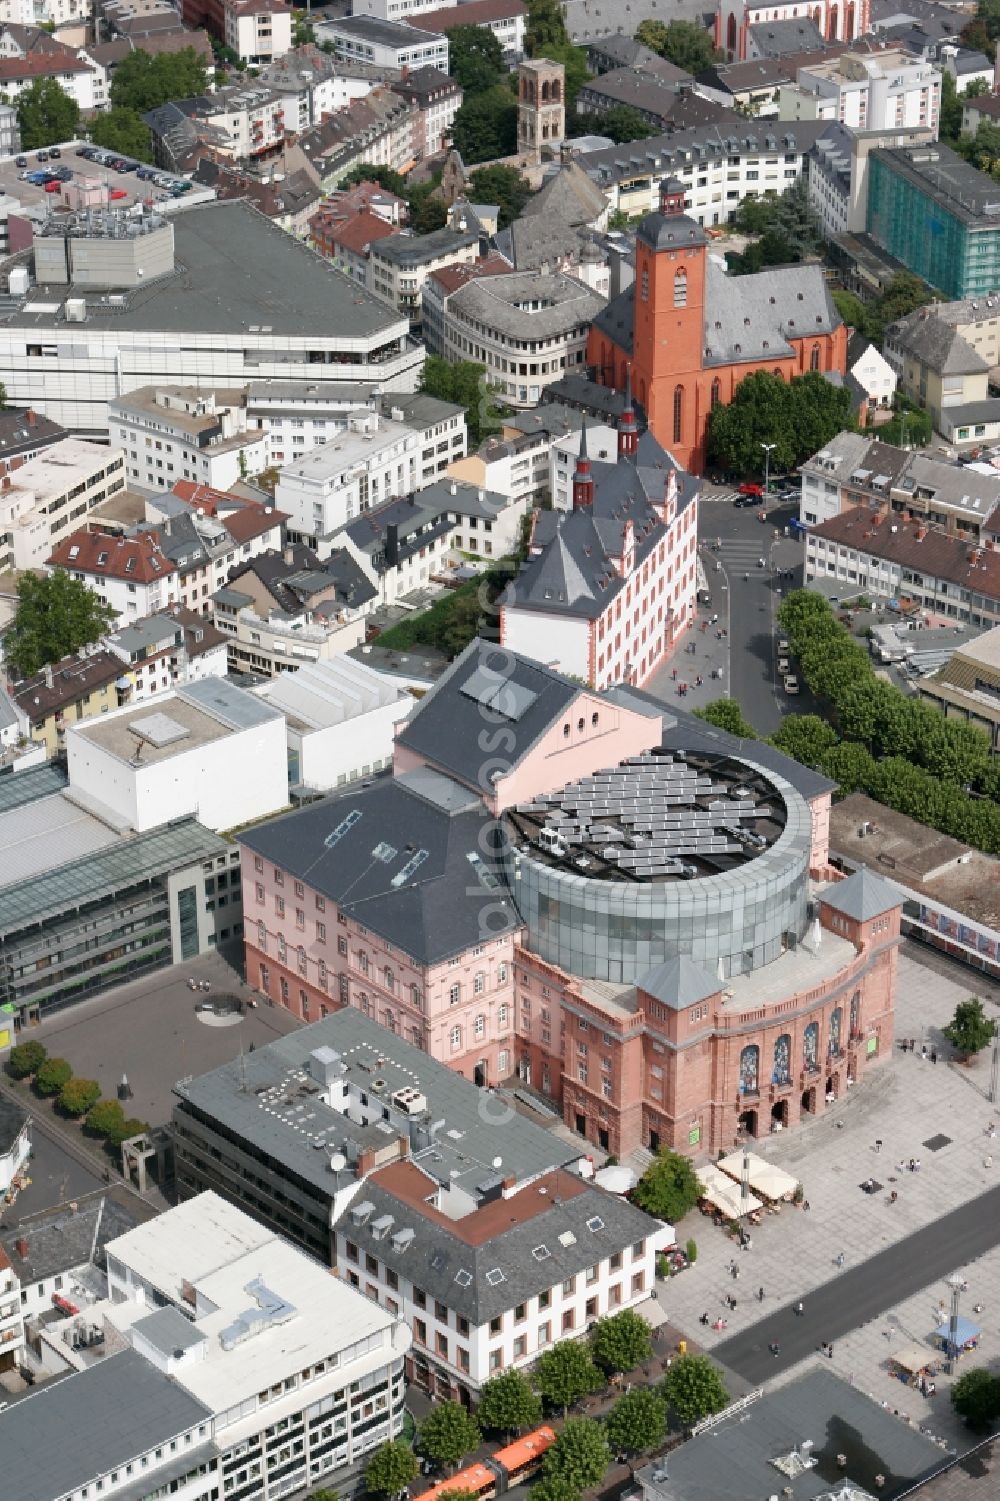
(121, 188)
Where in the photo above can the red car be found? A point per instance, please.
(117, 193)
(64, 1305)
(749, 488)
(52, 187)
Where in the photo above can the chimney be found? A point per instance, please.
(289, 555)
(628, 436)
(391, 545)
(921, 533)
(583, 479)
(22, 1247)
(47, 674)
(30, 417)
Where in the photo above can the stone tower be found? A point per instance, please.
(541, 107)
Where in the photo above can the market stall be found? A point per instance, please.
(766, 1180)
(721, 1194)
(967, 1336)
(914, 1364)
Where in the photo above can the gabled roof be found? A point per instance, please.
(357, 234)
(446, 726)
(678, 983)
(73, 679)
(137, 560)
(569, 196)
(470, 13)
(936, 344)
(862, 896)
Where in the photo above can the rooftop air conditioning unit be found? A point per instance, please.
(410, 1101)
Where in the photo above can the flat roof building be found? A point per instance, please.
(907, 189)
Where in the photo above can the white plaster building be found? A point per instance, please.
(130, 574)
(871, 370)
(251, 1372)
(207, 750)
(15, 1149)
(340, 721)
(866, 91)
(384, 44)
(166, 651)
(182, 433)
(11, 1317)
(258, 31)
(206, 533)
(374, 460)
(602, 444)
(295, 416)
(47, 498)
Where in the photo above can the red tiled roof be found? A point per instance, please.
(914, 546)
(407, 1183)
(243, 519)
(450, 278)
(474, 13)
(42, 65)
(358, 233)
(137, 559)
(73, 678)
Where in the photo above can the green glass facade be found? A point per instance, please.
(914, 223)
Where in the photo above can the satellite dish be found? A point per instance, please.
(498, 1162)
(338, 1161)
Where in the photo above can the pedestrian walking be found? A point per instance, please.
(829, 1351)
(799, 1310)
(878, 1143)
(774, 1348)
(839, 1258)
(823, 1347)
(760, 1295)
(673, 673)
(934, 1055)
(987, 1161)
(736, 1272)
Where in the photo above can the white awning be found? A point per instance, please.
(770, 1182)
(725, 1195)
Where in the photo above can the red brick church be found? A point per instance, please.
(690, 332)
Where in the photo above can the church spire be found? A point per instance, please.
(628, 435)
(583, 479)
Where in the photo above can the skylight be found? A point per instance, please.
(595, 1223)
(541, 1253)
(463, 1278)
(495, 1277)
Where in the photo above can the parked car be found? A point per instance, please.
(748, 487)
(38, 178)
(784, 647)
(791, 683)
(116, 194)
(784, 666)
(54, 153)
(53, 186)
(84, 151)
(20, 161)
(63, 173)
(42, 156)
(146, 173)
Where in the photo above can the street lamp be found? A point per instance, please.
(957, 1285)
(767, 463)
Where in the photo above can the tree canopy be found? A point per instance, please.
(475, 58)
(391, 1469)
(46, 114)
(975, 1396)
(636, 1422)
(486, 125)
(122, 130)
(797, 417)
(142, 82)
(26, 1058)
(621, 1341)
(788, 228)
(970, 1029)
(804, 737)
(56, 614)
(580, 1455)
(77, 1096)
(448, 1433)
(463, 382)
(565, 1373)
(668, 1188)
(621, 124)
(726, 714)
(503, 186)
(693, 1389)
(546, 26)
(684, 43)
(52, 1076)
(508, 1404)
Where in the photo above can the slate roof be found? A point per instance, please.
(736, 1457)
(789, 302)
(936, 344)
(737, 136)
(678, 983)
(933, 555)
(418, 250)
(567, 1226)
(60, 1240)
(780, 38)
(73, 678)
(293, 581)
(70, 1430)
(568, 195)
(431, 909)
(624, 51)
(566, 304)
(447, 724)
(862, 896)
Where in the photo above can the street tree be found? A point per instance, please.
(970, 1029)
(26, 1059)
(386, 177)
(56, 614)
(391, 1469)
(554, 1488)
(122, 130)
(636, 1422)
(463, 382)
(486, 125)
(77, 1096)
(683, 43)
(975, 1396)
(546, 26)
(621, 1341)
(503, 186)
(475, 58)
(508, 1404)
(621, 124)
(804, 737)
(448, 1433)
(106, 1118)
(580, 1456)
(726, 714)
(142, 82)
(52, 1076)
(565, 1373)
(46, 114)
(693, 1389)
(668, 1188)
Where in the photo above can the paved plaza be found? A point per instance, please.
(906, 1104)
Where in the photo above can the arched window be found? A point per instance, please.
(779, 372)
(479, 1026)
(556, 91)
(456, 1037)
(836, 1023)
(479, 983)
(782, 1070)
(849, 15)
(810, 1046)
(545, 92)
(750, 1070)
(716, 393)
(831, 30)
(390, 979)
(678, 412)
(814, 358)
(856, 1014)
(681, 288)
(731, 35)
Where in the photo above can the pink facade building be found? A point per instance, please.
(836, 21)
